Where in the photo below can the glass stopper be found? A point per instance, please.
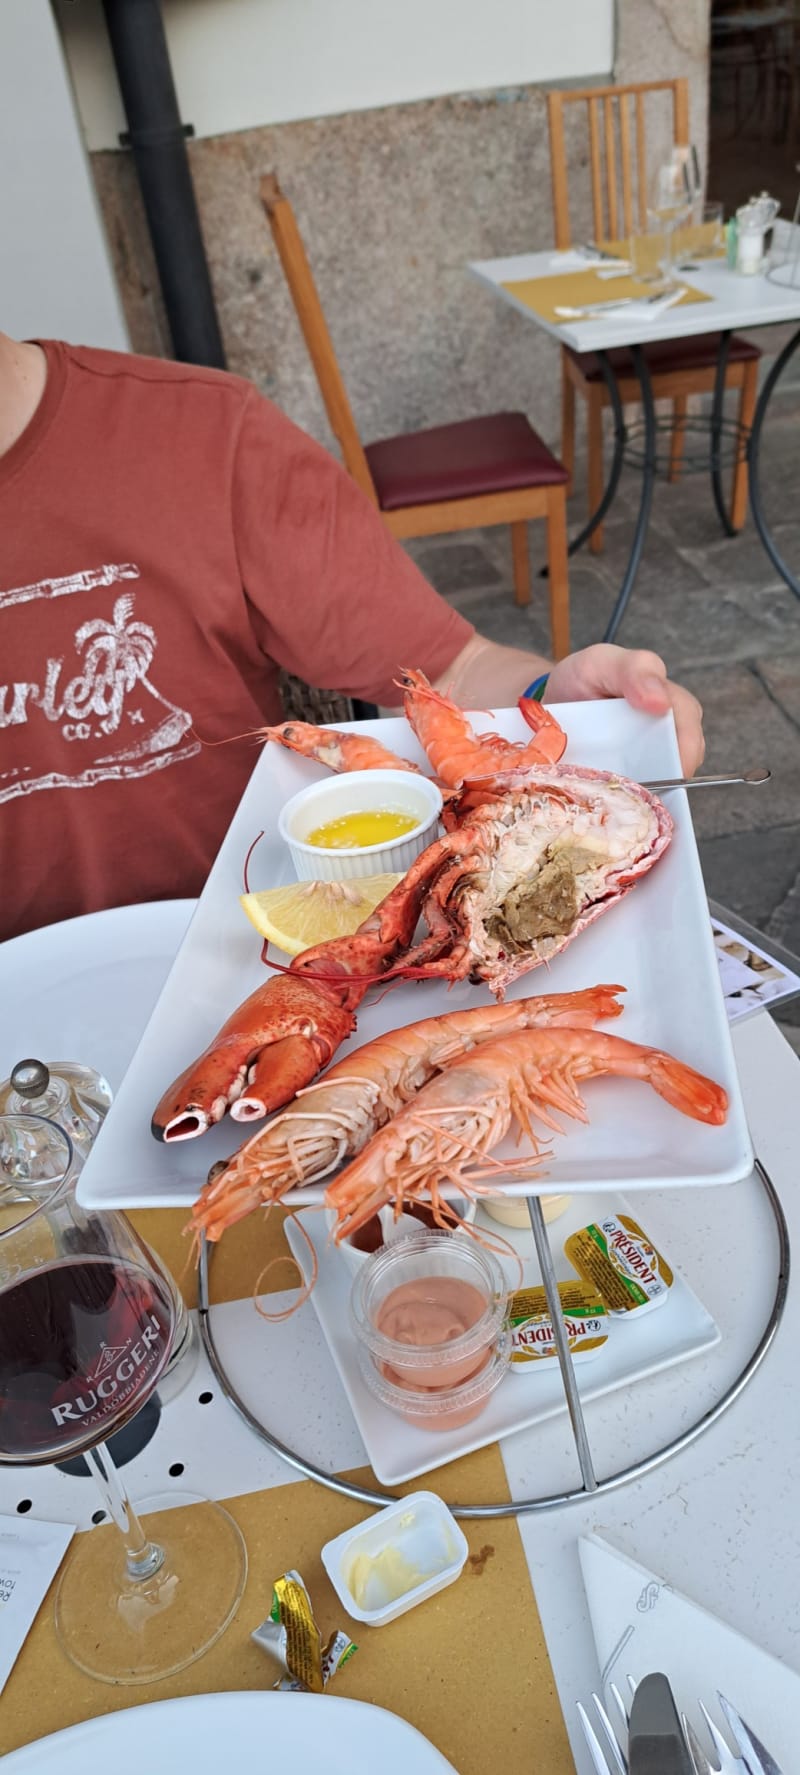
(30, 1078)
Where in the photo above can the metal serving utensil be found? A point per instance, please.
(665, 296)
(759, 774)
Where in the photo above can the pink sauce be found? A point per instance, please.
(448, 1416)
(428, 1312)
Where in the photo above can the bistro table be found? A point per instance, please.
(734, 301)
(477, 1669)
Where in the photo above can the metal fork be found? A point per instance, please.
(756, 1759)
(615, 1760)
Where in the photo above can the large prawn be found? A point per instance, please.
(333, 1119)
(448, 1131)
(336, 749)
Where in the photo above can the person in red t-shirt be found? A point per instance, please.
(168, 541)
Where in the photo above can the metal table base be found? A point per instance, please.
(648, 461)
(591, 1486)
(754, 465)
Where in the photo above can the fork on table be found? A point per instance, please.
(613, 1759)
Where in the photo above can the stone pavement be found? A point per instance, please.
(726, 626)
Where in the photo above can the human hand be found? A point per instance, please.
(639, 677)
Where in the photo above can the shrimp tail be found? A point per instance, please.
(687, 1090)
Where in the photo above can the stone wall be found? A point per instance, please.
(392, 204)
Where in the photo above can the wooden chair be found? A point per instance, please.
(680, 368)
(493, 470)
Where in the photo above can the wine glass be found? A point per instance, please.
(87, 1321)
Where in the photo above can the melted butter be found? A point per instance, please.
(377, 1580)
(373, 826)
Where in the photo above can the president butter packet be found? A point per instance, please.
(532, 1336)
(291, 1635)
(617, 1258)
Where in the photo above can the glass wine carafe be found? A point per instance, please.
(87, 1321)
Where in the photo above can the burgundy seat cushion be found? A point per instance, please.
(490, 455)
(699, 353)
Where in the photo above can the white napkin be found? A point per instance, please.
(572, 259)
(641, 1624)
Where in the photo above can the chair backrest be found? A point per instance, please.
(617, 152)
(303, 290)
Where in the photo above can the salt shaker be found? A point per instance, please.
(752, 221)
(74, 1096)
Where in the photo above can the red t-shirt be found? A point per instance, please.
(168, 539)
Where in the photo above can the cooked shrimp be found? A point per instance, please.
(333, 1119)
(447, 1132)
(337, 751)
(456, 752)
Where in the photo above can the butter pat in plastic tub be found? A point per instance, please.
(532, 1338)
(511, 1211)
(400, 1557)
(617, 1257)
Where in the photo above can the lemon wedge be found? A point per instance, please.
(303, 913)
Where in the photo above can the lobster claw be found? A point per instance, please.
(272, 1045)
(277, 1074)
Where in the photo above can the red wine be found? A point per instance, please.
(82, 1344)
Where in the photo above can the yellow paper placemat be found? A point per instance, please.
(469, 1668)
(577, 289)
(240, 1259)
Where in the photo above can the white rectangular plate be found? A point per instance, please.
(399, 1451)
(657, 942)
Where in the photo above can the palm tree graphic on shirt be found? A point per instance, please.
(116, 656)
(114, 720)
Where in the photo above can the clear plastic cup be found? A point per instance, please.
(439, 1408)
(429, 1308)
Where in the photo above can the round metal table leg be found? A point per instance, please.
(648, 478)
(519, 1506)
(716, 432)
(754, 466)
(620, 439)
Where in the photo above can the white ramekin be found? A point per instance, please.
(355, 792)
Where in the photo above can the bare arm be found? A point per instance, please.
(485, 675)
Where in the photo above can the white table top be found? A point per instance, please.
(716, 1521)
(737, 301)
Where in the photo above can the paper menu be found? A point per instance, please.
(30, 1555)
(751, 978)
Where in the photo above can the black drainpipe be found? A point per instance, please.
(157, 138)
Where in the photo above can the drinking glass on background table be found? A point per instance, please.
(702, 236)
(87, 1322)
(650, 252)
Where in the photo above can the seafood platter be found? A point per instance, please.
(448, 1044)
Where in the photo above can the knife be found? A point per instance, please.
(656, 1745)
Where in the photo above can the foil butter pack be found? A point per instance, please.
(618, 1259)
(290, 1634)
(532, 1336)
